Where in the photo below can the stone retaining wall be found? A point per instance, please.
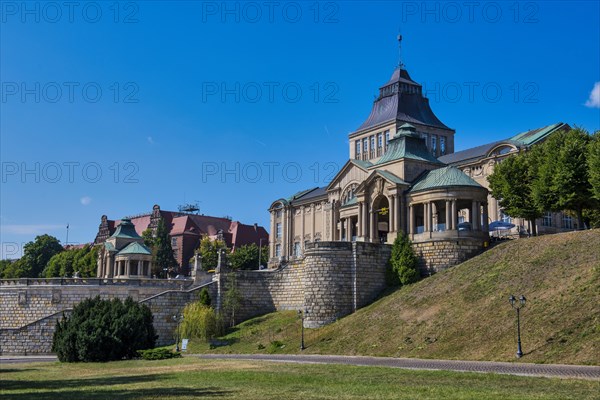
(331, 281)
(28, 315)
(438, 255)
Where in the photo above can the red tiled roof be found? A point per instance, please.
(235, 233)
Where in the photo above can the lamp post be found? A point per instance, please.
(517, 306)
(301, 314)
(259, 252)
(177, 318)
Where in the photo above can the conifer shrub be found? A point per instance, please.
(158, 354)
(403, 267)
(204, 297)
(104, 330)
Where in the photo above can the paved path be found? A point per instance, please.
(26, 359)
(545, 370)
(523, 369)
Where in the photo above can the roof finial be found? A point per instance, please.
(400, 63)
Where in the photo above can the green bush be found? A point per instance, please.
(104, 330)
(204, 297)
(158, 354)
(200, 321)
(404, 264)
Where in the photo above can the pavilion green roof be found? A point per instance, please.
(407, 144)
(135, 248)
(443, 177)
(126, 230)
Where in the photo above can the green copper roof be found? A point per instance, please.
(533, 136)
(135, 248)
(362, 164)
(108, 246)
(407, 144)
(443, 177)
(391, 177)
(126, 230)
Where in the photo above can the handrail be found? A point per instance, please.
(95, 282)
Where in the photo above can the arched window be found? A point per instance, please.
(349, 193)
(501, 150)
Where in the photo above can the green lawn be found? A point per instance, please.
(189, 378)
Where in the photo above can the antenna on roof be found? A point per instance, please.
(190, 208)
(400, 63)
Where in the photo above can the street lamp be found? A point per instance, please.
(177, 318)
(259, 252)
(517, 306)
(301, 314)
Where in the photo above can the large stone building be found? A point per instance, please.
(187, 229)
(404, 176)
(393, 182)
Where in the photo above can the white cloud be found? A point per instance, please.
(594, 100)
(85, 200)
(30, 229)
(150, 140)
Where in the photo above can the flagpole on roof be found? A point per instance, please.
(67, 241)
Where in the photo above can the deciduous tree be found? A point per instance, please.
(209, 251)
(246, 257)
(511, 183)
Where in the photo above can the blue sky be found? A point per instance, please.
(109, 108)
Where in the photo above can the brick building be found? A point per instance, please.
(187, 229)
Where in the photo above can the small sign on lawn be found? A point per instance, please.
(184, 343)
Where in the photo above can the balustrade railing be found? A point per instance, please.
(96, 282)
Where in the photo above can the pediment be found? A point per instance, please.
(379, 178)
(347, 169)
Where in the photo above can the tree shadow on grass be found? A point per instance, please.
(100, 388)
(98, 394)
(9, 370)
(75, 383)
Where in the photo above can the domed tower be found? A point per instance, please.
(400, 101)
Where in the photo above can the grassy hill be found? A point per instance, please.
(464, 313)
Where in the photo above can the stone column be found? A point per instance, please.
(284, 223)
(474, 219)
(430, 221)
(392, 215)
(401, 219)
(365, 221)
(454, 215)
(324, 223)
(348, 230)
(426, 211)
(359, 226)
(272, 235)
(448, 214)
(373, 224)
(312, 231)
(486, 224)
(128, 268)
(411, 219)
(303, 225)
